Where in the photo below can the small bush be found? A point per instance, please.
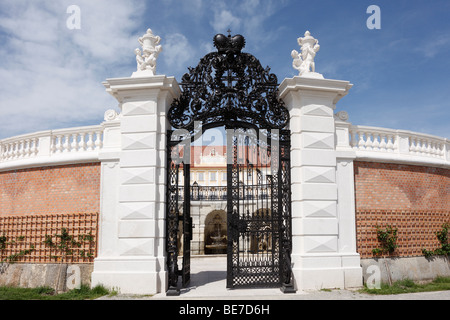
(388, 240)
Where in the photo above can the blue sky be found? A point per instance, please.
(51, 76)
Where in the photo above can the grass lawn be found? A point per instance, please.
(409, 286)
(86, 293)
(43, 293)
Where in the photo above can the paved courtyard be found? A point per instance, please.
(208, 282)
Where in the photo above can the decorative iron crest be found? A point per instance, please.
(229, 88)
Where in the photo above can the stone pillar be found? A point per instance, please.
(324, 253)
(132, 230)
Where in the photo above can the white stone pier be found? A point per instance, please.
(324, 243)
(132, 229)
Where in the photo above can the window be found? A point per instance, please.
(201, 177)
(212, 176)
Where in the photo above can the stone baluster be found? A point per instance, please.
(413, 144)
(375, 142)
(383, 143)
(361, 143)
(25, 147)
(82, 146)
(74, 145)
(98, 140)
(6, 151)
(441, 150)
(60, 143)
(15, 149)
(28, 144)
(435, 149)
(368, 141)
(90, 142)
(19, 149)
(66, 145)
(423, 146)
(430, 149)
(389, 144)
(35, 149)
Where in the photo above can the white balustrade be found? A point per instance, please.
(373, 140)
(368, 139)
(77, 140)
(73, 141)
(23, 147)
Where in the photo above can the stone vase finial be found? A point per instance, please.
(304, 61)
(146, 58)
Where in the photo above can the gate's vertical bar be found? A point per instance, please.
(231, 162)
(285, 202)
(172, 220)
(269, 184)
(187, 221)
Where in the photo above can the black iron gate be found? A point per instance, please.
(258, 208)
(178, 211)
(230, 88)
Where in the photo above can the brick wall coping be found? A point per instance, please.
(390, 145)
(52, 147)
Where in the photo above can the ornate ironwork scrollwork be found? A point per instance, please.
(229, 87)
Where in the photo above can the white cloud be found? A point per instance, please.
(207, 47)
(106, 28)
(223, 20)
(246, 17)
(177, 52)
(438, 44)
(51, 76)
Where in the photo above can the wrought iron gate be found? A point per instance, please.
(178, 211)
(230, 88)
(258, 208)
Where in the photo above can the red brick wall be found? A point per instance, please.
(415, 199)
(59, 189)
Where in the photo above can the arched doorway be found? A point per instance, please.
(230, 88)
(215, 232)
